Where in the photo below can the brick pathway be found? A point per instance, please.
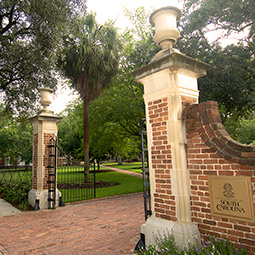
(103, 226)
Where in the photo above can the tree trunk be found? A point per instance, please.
(119, 159)
(86, 140)
(98, 164)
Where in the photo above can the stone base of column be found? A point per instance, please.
(159, 228)
(42, 196)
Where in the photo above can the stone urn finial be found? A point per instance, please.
(165, 22)
(45, 98)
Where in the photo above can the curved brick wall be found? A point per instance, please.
(211, 151)
(214, 135)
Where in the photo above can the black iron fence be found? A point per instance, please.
(73, 185)
(16, 175)
(70, 180)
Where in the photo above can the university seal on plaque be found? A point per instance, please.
(231, 197)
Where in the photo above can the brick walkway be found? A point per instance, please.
(103, 226)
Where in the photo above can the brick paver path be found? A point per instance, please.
(103, 226)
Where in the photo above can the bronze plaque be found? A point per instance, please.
(231, 197)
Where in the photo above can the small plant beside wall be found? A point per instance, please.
(16, 194)
(210, 246)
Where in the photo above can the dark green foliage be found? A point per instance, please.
(90, 55)
(230, 80)
(16, 137)
(17, 194)
(70, 131)
(245, 131)
(30, 32)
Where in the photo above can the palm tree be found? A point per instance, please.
(90, 58)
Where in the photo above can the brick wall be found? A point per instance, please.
(161, 160)
(211, 151)
(46, 160)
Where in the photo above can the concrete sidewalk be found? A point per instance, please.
(109, 226)
(7, 209)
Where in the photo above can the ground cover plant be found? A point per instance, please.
(15, 184)
(210, 246)
(16, 194)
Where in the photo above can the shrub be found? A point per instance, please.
(210, 246)
(16, 194)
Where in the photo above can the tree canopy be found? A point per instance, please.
(16, 137)
(30, 32)
(230, 80)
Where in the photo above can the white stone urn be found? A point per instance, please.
(45, 98)
(165, 22)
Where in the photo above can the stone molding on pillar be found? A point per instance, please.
(170, 82)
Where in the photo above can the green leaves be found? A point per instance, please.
(30, 33)
(90, 56)
(230, 80)
(16, 138)
(70, 131)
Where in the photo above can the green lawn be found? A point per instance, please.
(128, 184)
(133, 166)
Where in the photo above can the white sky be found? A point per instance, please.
(109, 9)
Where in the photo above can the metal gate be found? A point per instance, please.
(69, 179)
(145, 164)
(52, 173)
(72, 184)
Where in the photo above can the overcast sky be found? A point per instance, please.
(113, 9)
(109, 9)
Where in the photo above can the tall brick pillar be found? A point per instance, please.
(44, 128)
(170, 82)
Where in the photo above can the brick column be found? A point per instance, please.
(170, 82)
(44, 128)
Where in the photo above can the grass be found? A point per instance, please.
(133, 166)
(128, 184)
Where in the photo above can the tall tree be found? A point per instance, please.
(16, 137)
(70, 131)
(230, 80)
(90, 58)
(30, 31)
(225, 17)
(115, 115)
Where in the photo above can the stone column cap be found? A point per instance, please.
(170, 59)
(45, 116)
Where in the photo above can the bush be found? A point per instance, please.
(16, 194)
(210, 246)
